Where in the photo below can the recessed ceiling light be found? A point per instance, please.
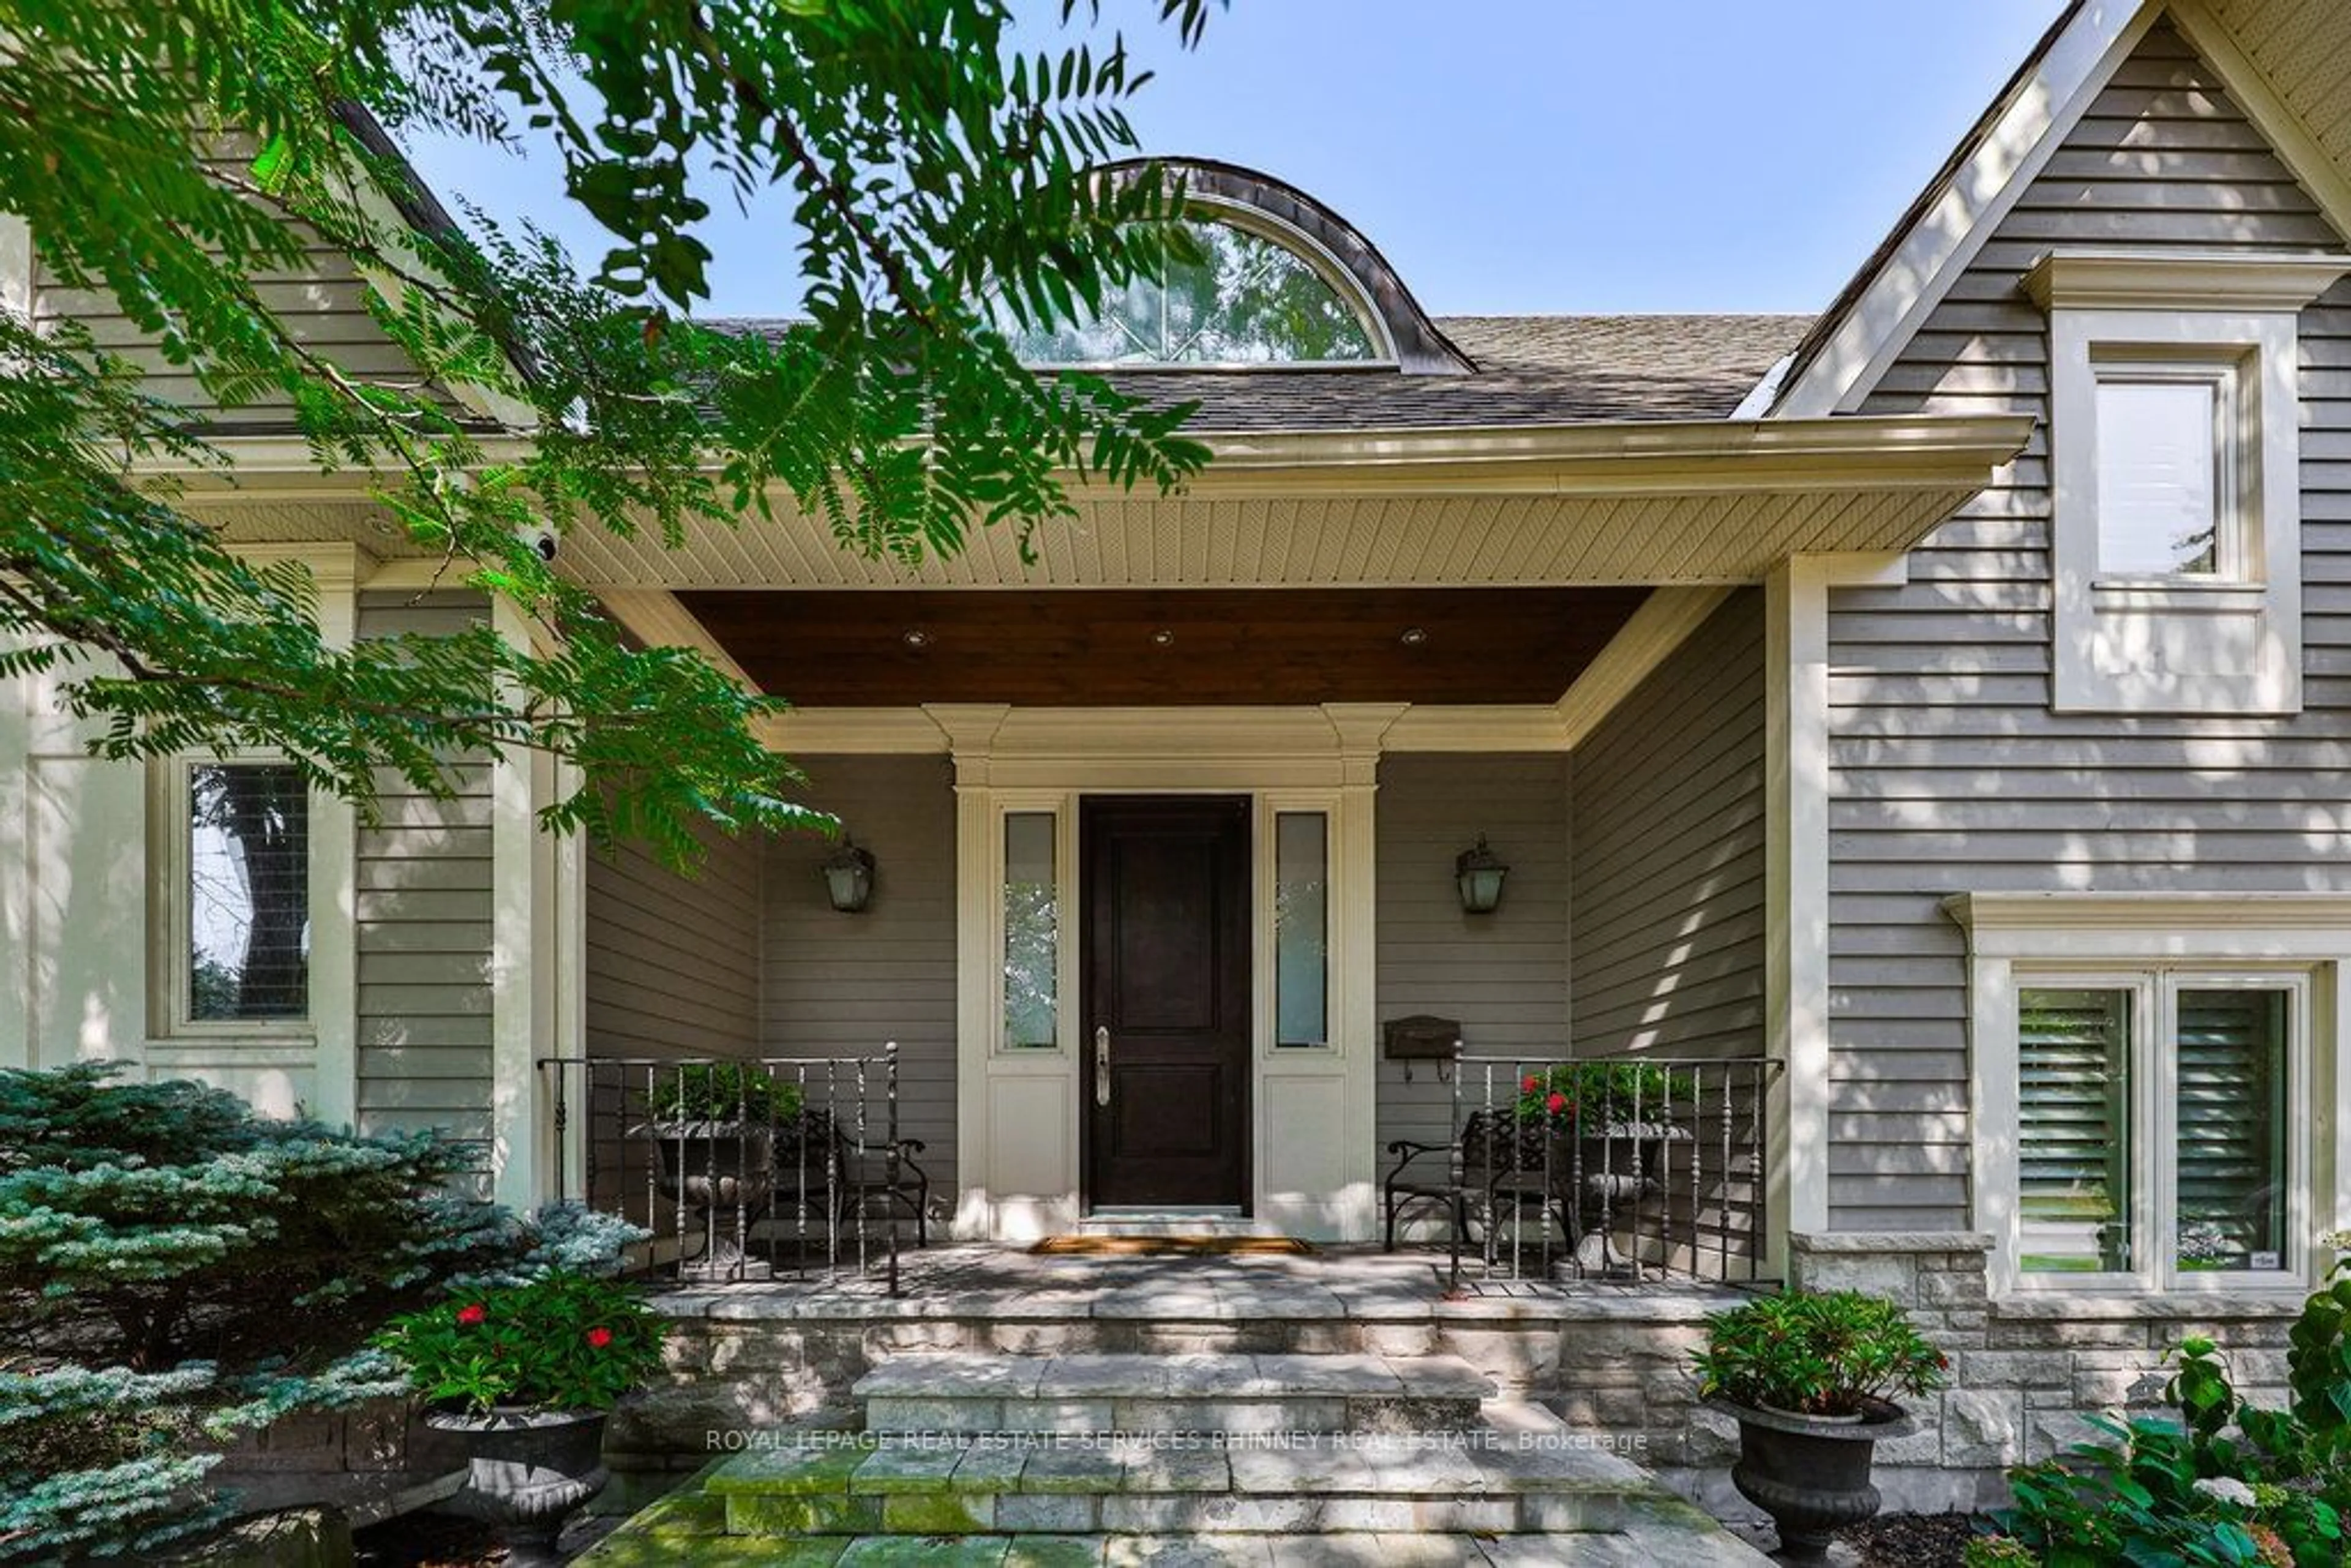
(914, 637)
(1413, 636)
(1163, 638)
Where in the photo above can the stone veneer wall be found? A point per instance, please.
(2025, 1375)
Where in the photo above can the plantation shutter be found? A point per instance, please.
(2073, 1137)
(2231, 1150)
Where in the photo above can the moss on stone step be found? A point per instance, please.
(804, 1515)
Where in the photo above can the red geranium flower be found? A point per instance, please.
(599, 1338)
(1556, 1103)
(1531, 1084)
(471, 1313)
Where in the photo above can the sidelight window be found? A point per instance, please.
(1032, 931)
(1302, 925)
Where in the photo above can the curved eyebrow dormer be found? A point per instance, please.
(1284, 282)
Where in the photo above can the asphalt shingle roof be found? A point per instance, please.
(1531, 371)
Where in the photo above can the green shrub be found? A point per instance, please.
(562, 1342)
(723, 1091)
(175, 1270)
(1999, 1551)
(1819, 1354)
(2220, 1483)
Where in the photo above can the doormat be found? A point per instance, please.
(1168, 1245)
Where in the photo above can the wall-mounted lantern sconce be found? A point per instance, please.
(1478, 873)
(849, 876)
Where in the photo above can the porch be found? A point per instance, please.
(1146, 965)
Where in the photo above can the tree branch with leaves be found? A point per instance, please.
(173, 164)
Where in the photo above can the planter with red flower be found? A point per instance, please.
(1600, 1129)
(527, 1373)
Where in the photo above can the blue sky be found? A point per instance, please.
(1518, 156)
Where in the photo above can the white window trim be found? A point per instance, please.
(2237, 560)
(2189, 308)
(170, 865)
(2159, 940)
(327, 1041)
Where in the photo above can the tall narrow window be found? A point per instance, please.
(1033, 932)
(1301, 928)
(2232, 1169)
(247, 893)
(2074, 1198)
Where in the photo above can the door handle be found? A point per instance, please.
(1102, 1064)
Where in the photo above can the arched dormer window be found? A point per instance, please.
(1275, 278)
(1244, 299)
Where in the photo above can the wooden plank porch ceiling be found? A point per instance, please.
(1123, 648)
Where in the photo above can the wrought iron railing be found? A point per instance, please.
(743, 1168)
(1631, 1168)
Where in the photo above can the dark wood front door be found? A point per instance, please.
(1167, 996)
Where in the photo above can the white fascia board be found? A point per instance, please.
(1766, 391)
(1945, 240)
(1639, 457)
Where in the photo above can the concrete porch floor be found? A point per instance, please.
(1357, 1283)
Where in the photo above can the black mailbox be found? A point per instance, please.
(1422, 1037)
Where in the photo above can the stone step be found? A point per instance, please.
(1521, 1474)
(969, 1392)
(1639, 1548)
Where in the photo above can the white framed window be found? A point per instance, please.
(2175, 478)
(2156, 1103)
(233, 879)
(2170, 510)
(2155, 1149)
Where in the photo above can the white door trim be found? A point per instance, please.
(1016, 1110)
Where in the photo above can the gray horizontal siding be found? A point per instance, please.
(424, 925)
(844, 985)
(322, 304)
(1503, 975)
(1948, 771)
(1668, 848)
(673, 960)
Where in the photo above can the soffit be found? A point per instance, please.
(1185, 647)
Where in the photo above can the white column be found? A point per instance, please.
(1354, 948)
(1796, 875)
(82, 941)
(334, 883)
(522, 927)
(16, 868)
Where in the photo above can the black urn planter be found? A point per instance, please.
(1811, 1473)
(716, 1168)
(526, 1470)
